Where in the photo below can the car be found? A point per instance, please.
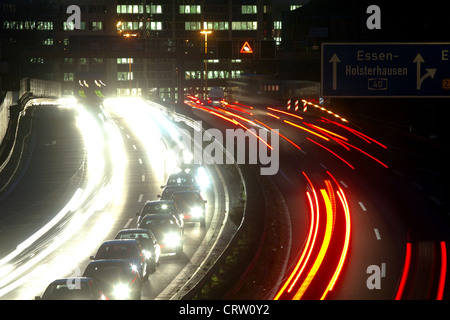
(167, 231)
(147, 241)
(117, 278)
(169, 190)
(76, 288)
(127, 249)
(160, 206)
(192, 205)
(182, 179)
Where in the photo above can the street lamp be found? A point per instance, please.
(206, 32)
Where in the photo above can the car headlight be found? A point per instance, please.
(134, 268)
(196, 212)
(147, 254)
(121, 291)
(172, 239)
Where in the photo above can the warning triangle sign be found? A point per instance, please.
(246, 48)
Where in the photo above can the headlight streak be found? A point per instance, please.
(83, 205)
(147, 123)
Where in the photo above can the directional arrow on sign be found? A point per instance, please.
(334, 60)
(430, 72)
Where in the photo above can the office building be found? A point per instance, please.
(154, 49)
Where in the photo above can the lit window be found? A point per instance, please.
(153, 9)
(192, 26)
(124, 76)
(124, 60)
(249, 9)
(154, 25)
(68, 77)
(97, 26)
(189, 9)
(244, 25)
(69, 26)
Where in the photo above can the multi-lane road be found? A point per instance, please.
(85, 175)
(363, 225)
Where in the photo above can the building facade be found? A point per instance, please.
(155, 49)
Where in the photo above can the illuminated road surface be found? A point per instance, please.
(118, 165)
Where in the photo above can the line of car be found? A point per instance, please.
(121, 265)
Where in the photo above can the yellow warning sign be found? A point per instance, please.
(246, 48)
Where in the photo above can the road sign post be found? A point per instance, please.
(351, 70)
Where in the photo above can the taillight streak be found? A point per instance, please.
(273, 115)
(286, 113)
(326, 131)
(281, 135)
(258, 137)
(356, 132)
(323, 248)
(307, 130)
(304, 256)
(333, 153)
(405, 272)
(443, 272)
(310, 241)
(363, 152)
(338, 270)
(239, 117)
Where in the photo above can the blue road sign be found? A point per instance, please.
(385, 70)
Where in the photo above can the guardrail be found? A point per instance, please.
(9, 100)
(38, 88)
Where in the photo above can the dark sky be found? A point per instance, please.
(400, 20)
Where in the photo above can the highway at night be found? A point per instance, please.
(217, 159)
(355, 213)
(357, 228)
